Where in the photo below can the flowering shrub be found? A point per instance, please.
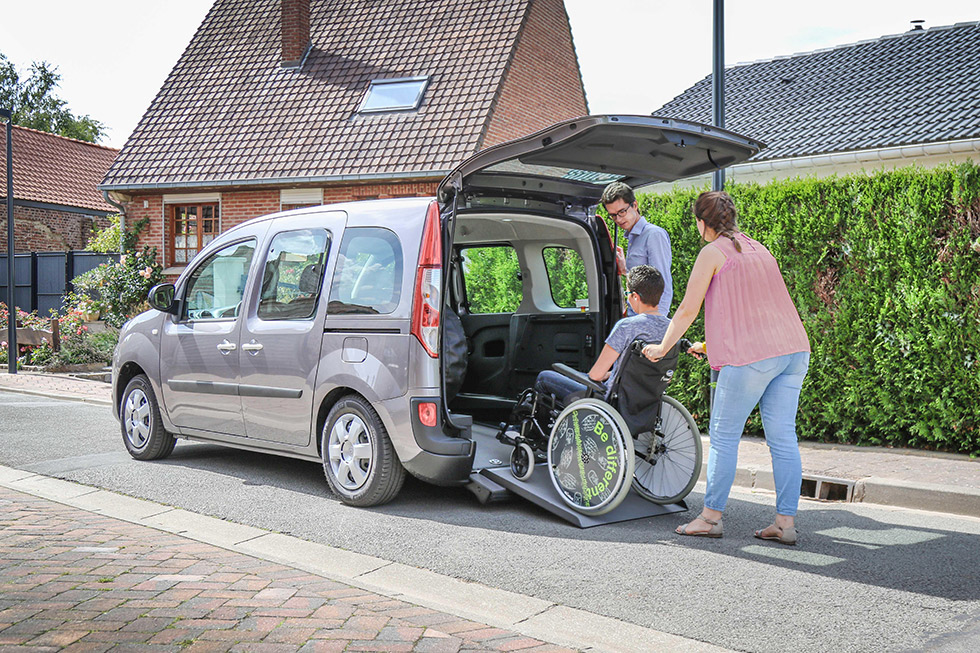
(78, 345)
(120, 288)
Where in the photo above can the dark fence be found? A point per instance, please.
(42, 279)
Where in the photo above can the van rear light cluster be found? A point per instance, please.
(428, 284)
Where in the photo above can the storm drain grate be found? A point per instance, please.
(827, 489)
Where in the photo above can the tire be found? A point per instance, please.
(359, 460)
(142, 427)
(668, 462)
(590, 457)
(522, 461)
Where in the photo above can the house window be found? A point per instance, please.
(394, 94)
(193, 226)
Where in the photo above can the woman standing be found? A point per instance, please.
(756, 341)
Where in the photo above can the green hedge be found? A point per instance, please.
(885, 271)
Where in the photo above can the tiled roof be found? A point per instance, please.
(55, 170)
(228, 111)
(919, 87)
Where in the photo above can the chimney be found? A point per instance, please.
(295, 31)
(917, 26)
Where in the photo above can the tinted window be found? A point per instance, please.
(293, 275)
(566, 276)
(493, 279)
(215, 288)
(369, 273)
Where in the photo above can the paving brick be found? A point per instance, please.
(446, 644)
(243, 604)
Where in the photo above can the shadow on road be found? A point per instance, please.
(834, 542)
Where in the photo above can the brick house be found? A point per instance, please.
(57, 205)
(277, 104)
(877, 104)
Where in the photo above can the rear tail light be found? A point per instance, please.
(428, 413)
(428, 284)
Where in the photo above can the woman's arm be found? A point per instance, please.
(709, 261)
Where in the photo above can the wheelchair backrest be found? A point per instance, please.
(639, 385)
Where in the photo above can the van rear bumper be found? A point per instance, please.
(444, 460)
(442, 470)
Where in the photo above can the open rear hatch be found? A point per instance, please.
(573, 161)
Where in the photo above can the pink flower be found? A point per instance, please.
(122, 259)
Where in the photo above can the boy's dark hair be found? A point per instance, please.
(617, 191)
(647, 282)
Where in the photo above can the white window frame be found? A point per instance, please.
(400, 80)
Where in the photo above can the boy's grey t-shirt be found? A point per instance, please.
(646, 326)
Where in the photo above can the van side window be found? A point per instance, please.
(492, 277)
(566, 276)
(215, 288)
(368, 277)
(293, 275)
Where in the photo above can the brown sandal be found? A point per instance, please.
(786, 535)
(716, 529)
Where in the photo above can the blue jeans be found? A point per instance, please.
(550, 382)
(774, 384)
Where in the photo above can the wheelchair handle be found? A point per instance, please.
(579, 377)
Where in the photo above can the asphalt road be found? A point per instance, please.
(864, 578)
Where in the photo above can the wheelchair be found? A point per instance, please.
(600, 445)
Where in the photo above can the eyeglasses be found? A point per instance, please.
(619, 214)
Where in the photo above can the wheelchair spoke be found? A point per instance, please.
(668, 462)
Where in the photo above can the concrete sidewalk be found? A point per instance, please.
(898, 477)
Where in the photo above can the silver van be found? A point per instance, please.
(387, 336)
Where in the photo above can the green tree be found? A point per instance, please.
(35, 105)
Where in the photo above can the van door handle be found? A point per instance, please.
(252, 347)
(224, 347)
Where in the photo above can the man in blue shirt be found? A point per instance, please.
(648, 244)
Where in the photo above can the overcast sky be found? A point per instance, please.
(635, 55)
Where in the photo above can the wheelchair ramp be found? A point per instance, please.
(539, 491)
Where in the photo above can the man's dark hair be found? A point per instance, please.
(617, 191)
(647, 282)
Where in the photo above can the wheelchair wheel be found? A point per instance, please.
(522, 461)
(590, 457)
(668, 461)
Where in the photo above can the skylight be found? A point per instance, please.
(394, 94)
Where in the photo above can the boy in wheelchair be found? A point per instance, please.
(532, 419)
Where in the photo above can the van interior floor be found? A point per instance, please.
(492, 480)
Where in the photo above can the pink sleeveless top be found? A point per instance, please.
(748, 313)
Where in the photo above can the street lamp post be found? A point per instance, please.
(11, 310)
(718, 82)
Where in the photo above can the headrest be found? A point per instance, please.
(309, 279)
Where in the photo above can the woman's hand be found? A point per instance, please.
(654, 352)
(698, 350)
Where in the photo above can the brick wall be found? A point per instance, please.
(543, 84)
(48, 230)
(239, 206)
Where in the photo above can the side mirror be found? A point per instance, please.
(161, 297)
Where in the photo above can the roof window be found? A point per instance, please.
(402, 94)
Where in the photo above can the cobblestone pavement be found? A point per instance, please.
(76, 581)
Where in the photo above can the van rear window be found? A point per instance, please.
(368, 277)
(566, 276)
(492, 277)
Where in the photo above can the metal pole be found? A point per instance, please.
(718, 83)
(11, 309)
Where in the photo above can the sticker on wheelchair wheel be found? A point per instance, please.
(590, 457)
